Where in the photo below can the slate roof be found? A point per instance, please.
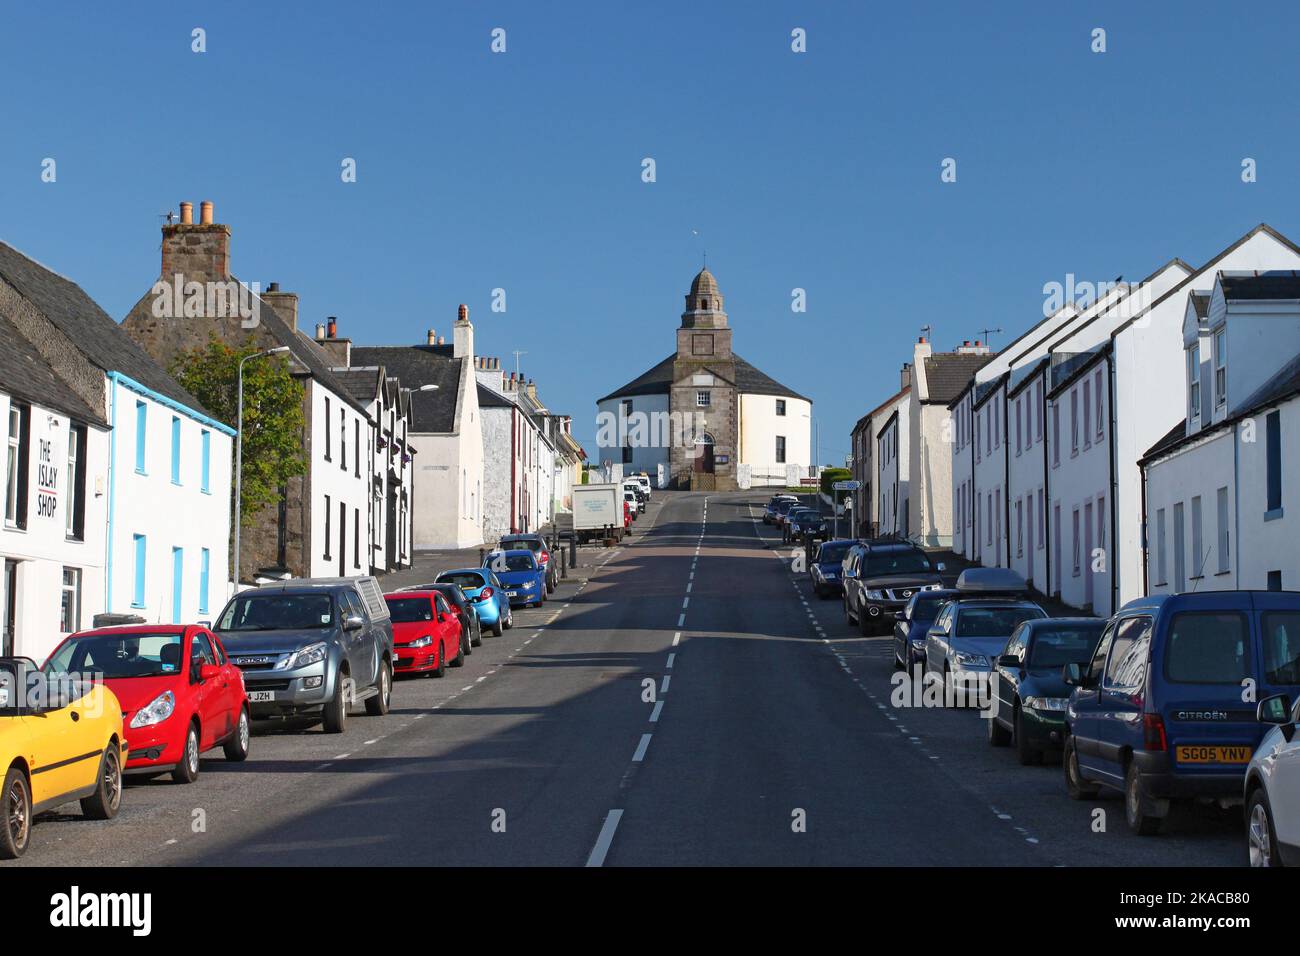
(416, 366)
(26, 375)
(947, 374)
(361, 384)
(100, 340)
(658, 379)
(1201, 302)
(490, 399)
(1281, 284)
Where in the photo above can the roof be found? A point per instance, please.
(416, 366)
(1201, 303)
(704, 282)
(99, 339)
(25, 374)
(1260, 286)
(487, 398)
(362, 384)
(946, 373)
(658, 379)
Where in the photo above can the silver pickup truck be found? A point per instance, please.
(312, 645)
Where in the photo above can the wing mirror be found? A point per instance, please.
(941, 566)
(1072, 674)
(208, 672)
(1009, 660)
(1274, 710)
(353, 622)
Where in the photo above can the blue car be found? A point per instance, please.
(1166, 708)
(825, 567)
(486, 593)
(522, 574)
(912, 623)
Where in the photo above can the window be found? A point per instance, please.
(1160, 547)
(627, 454)
(356, 443)
(1056, 543)
(1087, 413)
(1074, 422)
(1281, 638)
(16, 466)
(1042, 521)
(1180, 550)
(1220, 368)
(76, 483)
(988, 531)
(1208, 647)
(328, 446)
(1275, 580)
(1096, 394)
(702, 399)
(1198, 555)
(141, 429)
(356, 537)
(1222, 496)
(1056, 435)
(1077, 543)
(1101, 522)
(343, 439)
(178, 585)
(1020, 528)
(780, 449)
(1273, 447)
(328, 512)
(988, 432)
(1126, 669)
(70, 608)
(137, 594)
(780, 406)
(1099, 656)
(205, 569)
(1017, 428)
(205, 465)
(1193, 383)
(176, 450)
(1038, 401)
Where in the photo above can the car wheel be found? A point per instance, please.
(1260, 836)
(17, 808)
(510, 619)
(999, 736)
(898, 664)
(104, 802)
(334, 715)
(497, 628)
(848, 614)
(1138, 806)
(461, 651)
(865, 627)
(476, 635)
(1075, 785)
(1026, 752)
(441, 669)
(236, 748)
(378, 705)
(187, 771)
(550, 586)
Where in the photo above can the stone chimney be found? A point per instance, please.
(905, 376)
(338, 349)
(462, 334)
(199, 252)
(431, 337)
(285, 304)
(920, 352)
(531, 390)
(969, 348)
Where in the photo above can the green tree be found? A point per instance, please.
(831, 475)
(273, 418)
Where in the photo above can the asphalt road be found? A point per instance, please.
(682, 700)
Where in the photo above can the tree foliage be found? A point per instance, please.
(831, 475)
(273, 416)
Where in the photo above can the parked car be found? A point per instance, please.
(179, 693)
(880, 576)
(972, 629)
(1272, 791)
(488, 595)
(770, 512)
(807, 525)
(536, 544)
(59, 741)
(912, 623)
(634, 486)
(633, 506)
(1029, 691)
(788, 520)
(312, 645)
(824, 568)
(782, 509)
(427, 633)
(1162, 712)
(643, 480)
(523, 577)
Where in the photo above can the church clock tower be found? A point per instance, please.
(703, 397)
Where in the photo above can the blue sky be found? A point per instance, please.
(522, 170)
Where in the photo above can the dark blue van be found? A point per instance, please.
(1166, 708)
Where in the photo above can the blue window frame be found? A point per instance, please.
(141, 425)
(178, 583)
(204, 559)
(204, 484)
(176, 450)
(137, 594)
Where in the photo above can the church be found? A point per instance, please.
(704, 418)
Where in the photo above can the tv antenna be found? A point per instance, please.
(988, 334)
(169, 217)
(929, 331)
(518, 352)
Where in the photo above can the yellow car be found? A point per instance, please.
(60, 740)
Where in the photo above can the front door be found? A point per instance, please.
(8, 607)
(704, 455)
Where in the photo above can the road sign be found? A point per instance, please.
(847, 485)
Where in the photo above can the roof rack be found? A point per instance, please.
(990, 582)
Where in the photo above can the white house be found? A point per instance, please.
(892, 462)
(1215, 487)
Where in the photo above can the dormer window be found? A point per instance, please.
(1220, 368)
(1193, 384)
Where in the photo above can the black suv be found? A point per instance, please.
(880, 576)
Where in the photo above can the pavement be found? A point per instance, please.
(683, 700)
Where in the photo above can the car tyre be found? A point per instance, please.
(999, 736)
(497, 628)
(864, 623)
(1026, 752)
(476, 635)
(16, 828)
(1075, 785)
(103, 804)
(441, 669)
(334, 715)
(236, 748)
(1261, 838)
(378, 705)
(187, 771)
(510, 618)
(848, 615)
(461, 652)
(1138, 806)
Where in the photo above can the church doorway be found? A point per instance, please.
(704, 454)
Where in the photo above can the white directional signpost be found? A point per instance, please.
(848, 485)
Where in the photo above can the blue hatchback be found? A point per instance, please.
(825, 567)
(521, 573)
(486, 592)
(1166, 707)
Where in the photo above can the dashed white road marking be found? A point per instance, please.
(681, 620)
(641, 748)
(671, 658)
(598, 852)
(658, 709)
(677, 637)
(663, 688)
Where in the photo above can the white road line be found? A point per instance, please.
(641, 748)
(467, 687)
(479, 680)
(677, 637)
(671, 658)
(689, 586)
(686, 602)
(606, 837)
(681, 620)
(658, 709)
(369, 742)
(343, 756)
(663, 689)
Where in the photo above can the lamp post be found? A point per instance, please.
(239, 449)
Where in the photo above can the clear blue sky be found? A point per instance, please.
(522, 170)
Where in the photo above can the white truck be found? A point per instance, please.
(598, 511)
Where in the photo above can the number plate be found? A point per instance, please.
(261, 696)
(1217, 754)
(512, 594)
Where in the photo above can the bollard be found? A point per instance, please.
(573, 551)
(564, 563)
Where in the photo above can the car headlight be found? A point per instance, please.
(874, 595)
(422, 641)
(1047, 703)
(311, 654)
(918, 643)
(156, 711)
(972, 660)
(933, 587)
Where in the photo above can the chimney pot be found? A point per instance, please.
(187, 213)
(331, 327)
(205, 213)
(462, 313)
(320, 332)
(921, 340)
(442, 340)
(431, 337)
(273, 287)
(965, 342)
(977, 342)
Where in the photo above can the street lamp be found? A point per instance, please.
(239, 449)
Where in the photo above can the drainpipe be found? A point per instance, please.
(513, 431)
(112, 499)
(1047, 489)
(1006, 477)
(1114, 485)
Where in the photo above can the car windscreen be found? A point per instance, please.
(453, 594)
(833, 552)
(1207, 647)
(1054, 647)
(118, 655)
(926, 608)
(464, 580)
(1281, 631)
(897, 562)
(520, 562)
(993, 621)
(532, 544)
(278, 612)
(410, 610)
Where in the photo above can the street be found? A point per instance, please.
(769, 739)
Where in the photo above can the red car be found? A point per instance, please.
(426, 632)
(180, 694)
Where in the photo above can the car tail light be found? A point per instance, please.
(1153, 732)
(485, 593)
(546, 556)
